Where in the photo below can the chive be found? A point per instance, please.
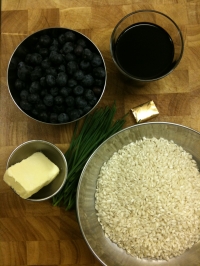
(96, 128)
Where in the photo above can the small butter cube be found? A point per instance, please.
(30, 175)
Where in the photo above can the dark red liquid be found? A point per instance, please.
(145, 51)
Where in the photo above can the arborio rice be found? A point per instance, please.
(148, 199)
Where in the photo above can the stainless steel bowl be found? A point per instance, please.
(50, 151)
(107, 252)
(19, 55)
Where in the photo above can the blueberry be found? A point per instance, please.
(68, 47)
(96, 60)
(55, 42)
(61, 79)
(45, 40)
(74, 114)
(58, 100)
(64, 92)
(81, 42)
(70, 101)
(78, 90)
(24, 95)
(86, 109)
(53, 118)
(43, 92)
(69, 89)
(85, 65)
(36, 59)
(72, 66)
(25, 105)
(19, 84)
(58, 109)
(37, 47)
(59, 59)
(87, 54)
(89, 94)
(61, 39)
(51, 71)
(61, 68)
(93, 101)
(36, 73)
(33, 98)
(70, 57)
(78, 75)
(99, 72)
(28, 59)
(23, 72)
(80, 102)
(43, 81)
(40, 107)
(54, 91)
(54, 48)
(56, 58)
(44, 52)
(45, 64)
(99, 82)
(81, 112)
(97, 91)
(87, 81)
(70, 36)
(78, 50)
(34, 87)
(21, 64)
(63, 118)
(68, 109)
(72, 83)
(48, 100)
(35, 112)
(50, 80)
(43, 116)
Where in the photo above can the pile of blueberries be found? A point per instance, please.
(61, 77)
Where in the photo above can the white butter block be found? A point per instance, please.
(30, 175)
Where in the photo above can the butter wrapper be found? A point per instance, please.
(145, 111)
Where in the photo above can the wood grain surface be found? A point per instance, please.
(38, 233)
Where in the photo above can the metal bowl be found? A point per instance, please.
(106, 251)
(54, 154)
(19, 55)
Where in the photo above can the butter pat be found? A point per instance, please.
(30, 175)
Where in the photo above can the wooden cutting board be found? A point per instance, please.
(38, 233)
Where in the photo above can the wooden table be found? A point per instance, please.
(38, 233)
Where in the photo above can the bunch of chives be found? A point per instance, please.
(96, 128)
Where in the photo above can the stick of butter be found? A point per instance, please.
(30, 175)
